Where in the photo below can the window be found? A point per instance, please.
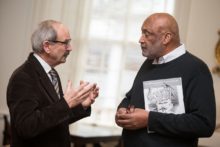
(112, 52)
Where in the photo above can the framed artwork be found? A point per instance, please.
(216, 69)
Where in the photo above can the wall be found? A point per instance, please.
(14, 24)
(202, 36)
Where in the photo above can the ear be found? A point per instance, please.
(167, 38)
(46, 46)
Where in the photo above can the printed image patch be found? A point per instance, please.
(164, 95)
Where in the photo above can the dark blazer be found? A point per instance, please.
(38, 117)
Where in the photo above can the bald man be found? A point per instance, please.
(171, 102)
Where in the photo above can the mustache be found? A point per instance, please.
(143, 46)
(66, 53)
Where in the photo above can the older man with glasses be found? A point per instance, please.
(40, 112)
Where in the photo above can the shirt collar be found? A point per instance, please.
(44, 64)
(171, 55)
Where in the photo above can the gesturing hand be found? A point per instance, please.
(93, 94)
(75, 96)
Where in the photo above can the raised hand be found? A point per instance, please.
(93, 94)
(75, 96)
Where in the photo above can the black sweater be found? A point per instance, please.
(175, 130)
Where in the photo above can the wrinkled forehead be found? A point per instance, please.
(149, 25)
(60, 27)
(62, 30)
(155, 24)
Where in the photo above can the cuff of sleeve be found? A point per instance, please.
(150, 122)
(79, 111)
(62, 110)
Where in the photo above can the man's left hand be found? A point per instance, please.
(92, 96)
(132, 120)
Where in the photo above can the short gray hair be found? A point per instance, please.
(45, 31)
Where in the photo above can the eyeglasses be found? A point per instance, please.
(66, 43)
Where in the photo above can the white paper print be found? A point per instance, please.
(164, 95)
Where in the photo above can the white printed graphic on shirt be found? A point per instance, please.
(164, 95)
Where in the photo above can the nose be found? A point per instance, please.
(69, 47)
(141, 40)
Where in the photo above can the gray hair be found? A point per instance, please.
(45, 31)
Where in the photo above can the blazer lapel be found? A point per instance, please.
(46, 83)
(44, 79)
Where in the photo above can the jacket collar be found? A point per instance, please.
(43, 78)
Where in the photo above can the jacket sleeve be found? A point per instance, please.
(78, 113)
